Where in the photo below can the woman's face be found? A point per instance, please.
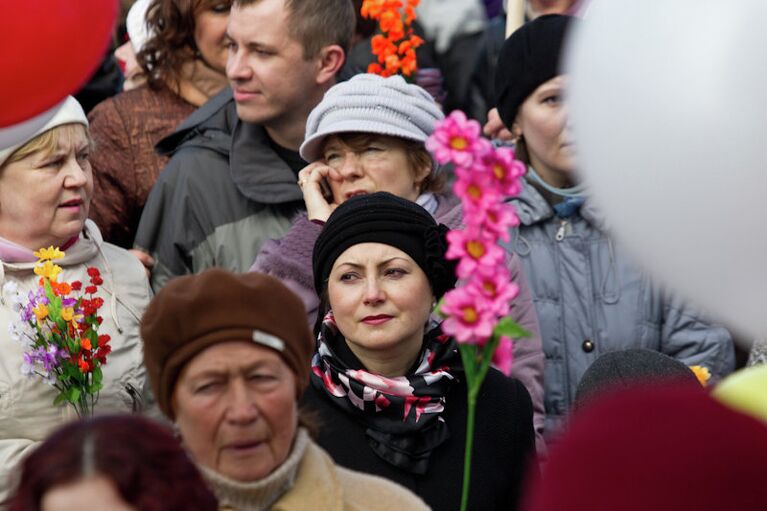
(381, 300)
(97, 493)
(542, 122)
(235, 407)
(45, 196)
(381, 165)
(210, 35)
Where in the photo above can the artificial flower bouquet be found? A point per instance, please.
(395, 46)
(58, 326)
(476, 311)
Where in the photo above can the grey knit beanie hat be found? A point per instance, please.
(369, 103)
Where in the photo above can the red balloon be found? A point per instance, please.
(49, 49)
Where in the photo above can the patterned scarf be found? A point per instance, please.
(402, 414)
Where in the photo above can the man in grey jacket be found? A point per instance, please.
(231, 182)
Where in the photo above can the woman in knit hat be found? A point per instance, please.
(387, 384)
(46, 187)
(228, 357)
(367, 135)
(589, 296)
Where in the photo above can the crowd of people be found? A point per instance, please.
(271, 233)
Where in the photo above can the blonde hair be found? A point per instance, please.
(47, 141)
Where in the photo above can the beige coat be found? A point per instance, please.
(319, 485)
(27, 414)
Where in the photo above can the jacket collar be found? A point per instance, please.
(83, 250)
(257, 171)
(532, 208)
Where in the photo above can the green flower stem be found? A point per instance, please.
(474, 378)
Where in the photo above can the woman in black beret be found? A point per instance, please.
(387, 385)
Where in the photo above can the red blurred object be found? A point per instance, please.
(48, 49)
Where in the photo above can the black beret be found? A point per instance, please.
(385, 218)
(528, 58)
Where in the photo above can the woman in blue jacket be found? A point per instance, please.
(589, 296)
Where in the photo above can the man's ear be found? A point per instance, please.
(329, 62)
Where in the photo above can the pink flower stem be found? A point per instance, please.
(474, 378)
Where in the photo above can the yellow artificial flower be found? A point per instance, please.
(702, 374)
(67, 313)
(49, 254)
(48, 270)
(41, 311)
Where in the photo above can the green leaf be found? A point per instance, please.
(60, 398)
(98, 375)
(73, 394)
(469, 357)
(95, 388)
(509, 328)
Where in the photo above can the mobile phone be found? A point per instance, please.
(327, 193)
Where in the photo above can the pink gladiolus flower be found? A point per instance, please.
(495, 287)
(498, 218)
(477, 194)
(504, 169)
(473, 249)
(457, 139)
(469, 318)
(503, 356)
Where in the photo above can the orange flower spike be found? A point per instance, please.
(408, 63)
(409, 15)
(415, 41)
(372, 8)
(375, 68)
(86, 344)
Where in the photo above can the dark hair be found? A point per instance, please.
(317, 23)
(417, 155)
(171, 42)
(141, 457)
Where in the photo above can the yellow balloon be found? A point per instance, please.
(745, 391)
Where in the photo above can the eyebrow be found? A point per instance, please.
(218, 372)
(355, 264)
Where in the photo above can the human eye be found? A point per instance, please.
(82, 156)
(207, 387)
(348, 276)
(331, 156)
(221, 8)
(374, 148)
(262, 377)
(552, 99)
(395, 272)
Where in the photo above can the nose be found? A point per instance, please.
(242, 408)
(236, 67)
(77, 173)
(374, 293)
(351, 167)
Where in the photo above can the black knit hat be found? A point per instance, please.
(615, 370)
(528, 58)
(385, 218)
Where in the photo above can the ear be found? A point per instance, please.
(516, 128)
(329, 62)
(420, 174)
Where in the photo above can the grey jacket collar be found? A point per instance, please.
(532, 208)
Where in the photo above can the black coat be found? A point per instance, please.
(504, 446)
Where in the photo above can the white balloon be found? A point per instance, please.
(12, 135)
(668, 106)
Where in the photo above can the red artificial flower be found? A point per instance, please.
(93, 272)
(91, 290)
(77, 285)
(103, 340)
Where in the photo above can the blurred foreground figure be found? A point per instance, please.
(112, 463)
(659, 449)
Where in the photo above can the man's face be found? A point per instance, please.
(271, 81)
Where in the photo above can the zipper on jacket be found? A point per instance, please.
(138, 402)
(561, 232)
